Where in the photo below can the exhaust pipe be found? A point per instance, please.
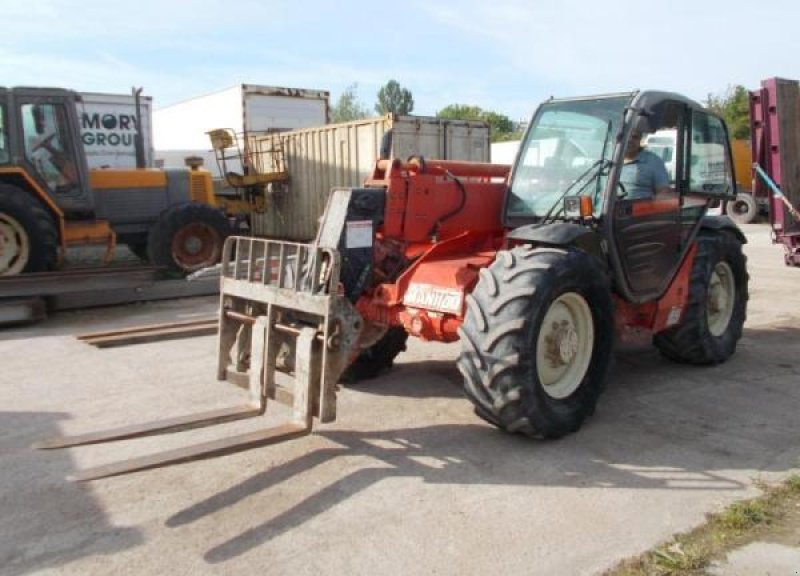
(138, 139)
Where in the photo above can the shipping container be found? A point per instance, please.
(108, 129)
(180, 130)
(336, 155)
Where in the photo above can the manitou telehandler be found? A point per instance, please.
(536, 272)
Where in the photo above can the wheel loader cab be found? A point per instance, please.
(43, 142)
(50, 200)
(580, 163)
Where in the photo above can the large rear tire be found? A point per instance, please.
(188, 237)
(717, 307)
(28, 234)
(537, 340)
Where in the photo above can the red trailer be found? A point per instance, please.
(775, 144)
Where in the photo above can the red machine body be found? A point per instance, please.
(442, 226)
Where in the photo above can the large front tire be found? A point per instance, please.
(717, 307)
(188, 237)
(28, 234)
(537, 340)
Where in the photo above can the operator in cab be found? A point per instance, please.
(644, 175)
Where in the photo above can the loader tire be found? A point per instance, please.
(743, 209)
(717, 307)
(187, 237)
(537, 340)
(28, 234)
(377, 358)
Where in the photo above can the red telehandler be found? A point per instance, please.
(537, 272)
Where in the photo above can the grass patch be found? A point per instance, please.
(690, 553)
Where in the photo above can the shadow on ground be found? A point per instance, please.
(659, 426)
(47, 521)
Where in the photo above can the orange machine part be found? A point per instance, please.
(658, 315)
(116, 179)
(91, 232)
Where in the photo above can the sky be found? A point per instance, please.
(504, 56)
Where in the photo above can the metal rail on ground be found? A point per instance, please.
(27, 298)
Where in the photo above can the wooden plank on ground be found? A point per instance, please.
(151, 333)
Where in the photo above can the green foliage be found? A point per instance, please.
(394, 99)
(501, 127)
(745, 515)
(734, 106)
(348, 107)
(678, 557)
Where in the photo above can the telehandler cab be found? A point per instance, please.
(536, 272)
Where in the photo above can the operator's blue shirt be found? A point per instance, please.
(643, 176)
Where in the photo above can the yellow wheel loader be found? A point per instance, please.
(50, 200)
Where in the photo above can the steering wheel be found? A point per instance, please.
(45, 143)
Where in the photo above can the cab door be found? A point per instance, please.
(652, 235)
(648, 229)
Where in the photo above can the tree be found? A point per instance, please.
(394, 99)
(348, 107)
(501, 128)
(734, 106)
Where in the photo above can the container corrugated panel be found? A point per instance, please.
(787, 110)
(440, 139)
(344, 155)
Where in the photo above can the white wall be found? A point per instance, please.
(180, 130)
(504, 152)
(183, 126)
(177, 159)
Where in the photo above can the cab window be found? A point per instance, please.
(3, 136)
(709, 162)
(48, 146)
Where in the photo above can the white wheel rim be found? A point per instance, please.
(565, 344)
(721, 296)
(14, 246)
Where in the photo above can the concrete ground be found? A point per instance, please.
(408, 480)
